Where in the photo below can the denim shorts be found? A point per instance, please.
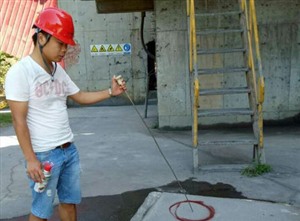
(64, 180)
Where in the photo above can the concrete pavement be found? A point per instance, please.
(218, 209)
(118, 155)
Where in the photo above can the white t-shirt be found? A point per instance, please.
(47, 117)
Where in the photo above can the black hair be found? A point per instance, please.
(37, 30)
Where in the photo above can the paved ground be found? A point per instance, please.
(121, 165)
(200, 208)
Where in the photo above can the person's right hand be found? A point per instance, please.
(34, 170)
(117, 87)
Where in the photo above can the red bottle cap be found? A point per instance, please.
(48, 166)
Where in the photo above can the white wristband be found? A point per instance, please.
(109, 92)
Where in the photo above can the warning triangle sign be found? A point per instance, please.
(119, 48)
(94, 49)
(110, 48)
(102, 48)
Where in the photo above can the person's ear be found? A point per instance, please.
(41, 38)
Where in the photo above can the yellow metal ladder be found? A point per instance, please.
(223, 46)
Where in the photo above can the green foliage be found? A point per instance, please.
(256, 169)
(6, 61)
(5, 119)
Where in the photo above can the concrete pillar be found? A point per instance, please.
(173, 84)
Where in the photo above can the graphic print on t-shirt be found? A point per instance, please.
(50, 88)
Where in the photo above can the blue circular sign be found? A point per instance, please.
(127, 47)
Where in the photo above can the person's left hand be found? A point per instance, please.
(116, 88)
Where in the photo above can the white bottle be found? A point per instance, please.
(40, 187)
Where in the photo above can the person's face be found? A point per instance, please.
(55, 49)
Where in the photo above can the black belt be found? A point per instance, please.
(63, 146)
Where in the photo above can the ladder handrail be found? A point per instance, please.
(193, 66)
(256, 38)
(261, 83)
(251, 20)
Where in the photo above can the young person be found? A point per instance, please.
(37, 89)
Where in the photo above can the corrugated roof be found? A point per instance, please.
(16, 19)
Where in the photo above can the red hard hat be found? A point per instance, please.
(57, 23)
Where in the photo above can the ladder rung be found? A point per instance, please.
(222, 70)
(237, 90)
(224, 112)
(228, 142)
(219, 31)
(221, 51)
(218, 13)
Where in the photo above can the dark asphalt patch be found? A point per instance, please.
(123, 206)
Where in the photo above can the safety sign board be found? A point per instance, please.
(110, 49)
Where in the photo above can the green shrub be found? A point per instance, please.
(256, 169)
(5, 119)
(6, 61)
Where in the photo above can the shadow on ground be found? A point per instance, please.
(122, 207)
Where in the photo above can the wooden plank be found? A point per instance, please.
(119, 6)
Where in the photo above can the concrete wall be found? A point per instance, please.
(278, 22)
(279, 26)
(279, 42)
(92, 73)
(174, 102)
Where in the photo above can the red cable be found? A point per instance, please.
(177, 205)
